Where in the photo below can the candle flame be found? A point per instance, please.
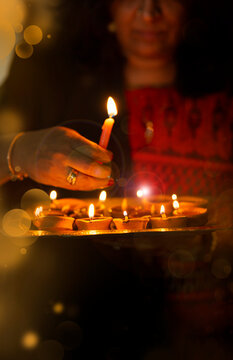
(174, 197)
(162, 210)
(125, 213)
(176, 204)
(91, 211)
(53, 195)
(103, 196)
(39, 211)
(111, 106)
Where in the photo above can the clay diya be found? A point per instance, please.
(126, 223)
(195, 216)
(164, 221)
(52, 220)
(93, 223)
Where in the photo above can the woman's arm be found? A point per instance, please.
(48, 155)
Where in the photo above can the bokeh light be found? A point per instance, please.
(7, 38)
(30, 340)
(18, 28)
(16, 222)
(23, 251)
(24, 50)
(33, 35)
(58, 308)
(33, 199)
(10, 121)
(50, 350)
(181, 264)
(53, 195)
(13, 11)
(69, 334)
(221, 268)
(9, 254)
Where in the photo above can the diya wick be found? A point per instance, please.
(93, 223)
(164, 221)
(52, 220)
(127, 223)
(108, 123)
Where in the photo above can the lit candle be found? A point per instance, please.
(108, 123)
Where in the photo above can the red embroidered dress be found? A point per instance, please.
(179, 144)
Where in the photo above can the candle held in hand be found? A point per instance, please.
(108, 123)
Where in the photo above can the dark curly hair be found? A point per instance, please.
(204, 59)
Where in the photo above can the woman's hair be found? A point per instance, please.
(204, 60)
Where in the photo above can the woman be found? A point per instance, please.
(179, 114)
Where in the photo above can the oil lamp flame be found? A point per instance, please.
(53, 195)
(103, 196)
(39, 211)
(162, 211)
(111, 106)
(176, 204)
(174, 197)
(91, 211)
(126, 219)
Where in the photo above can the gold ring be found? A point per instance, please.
(72, 177)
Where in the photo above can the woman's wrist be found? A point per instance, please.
(15, 168)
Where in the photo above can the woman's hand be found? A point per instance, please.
(48, 156)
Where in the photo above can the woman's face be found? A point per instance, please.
(148, 29)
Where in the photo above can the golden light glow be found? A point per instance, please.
(33, 35)
(124, 204)
(58, 308)
(176, 204)
(111, 106)
(140, 193)
(24, 50)
(30, 340)
(16, 222)
(174, 197)
(7, 38)
(103, 196)
(162, 210)
(39, 211)
(91, 211)
(53, 195)
(23, 251)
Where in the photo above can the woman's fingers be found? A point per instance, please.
(87, 183)
(90, 149)
(87, 166)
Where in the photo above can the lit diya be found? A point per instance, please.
(196, 216)
(164, 221)
(52, 220)
(126, 223)
(93, 223)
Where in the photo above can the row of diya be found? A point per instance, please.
(74, 214)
